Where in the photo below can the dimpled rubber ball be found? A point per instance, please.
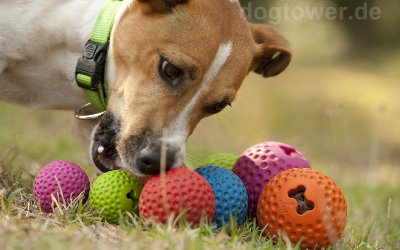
(222, 160)
(114, 193)
(178, 190)
(145, 179)
(64, 175)
(305, 205)
(260, 163)
(229, 192)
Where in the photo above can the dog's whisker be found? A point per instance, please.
(193, 159)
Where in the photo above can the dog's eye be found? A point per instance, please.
(218, 107)
(169, 72)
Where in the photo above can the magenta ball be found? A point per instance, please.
(56, 176)
(260, 163)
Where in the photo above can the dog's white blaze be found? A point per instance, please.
(179, 129)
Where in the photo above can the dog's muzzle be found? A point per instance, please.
(144, 154)
(104, 144)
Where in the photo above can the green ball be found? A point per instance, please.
(114, 193)
(222, 160)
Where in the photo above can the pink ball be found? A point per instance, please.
(60, 174)
(260, 163)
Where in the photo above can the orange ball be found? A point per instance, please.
(303, 205)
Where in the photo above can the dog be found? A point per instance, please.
(170, 63)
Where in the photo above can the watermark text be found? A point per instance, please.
(278, 14)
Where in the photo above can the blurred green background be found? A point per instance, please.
(337, 102)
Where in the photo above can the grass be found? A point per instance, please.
(373, 224)
(343, 119)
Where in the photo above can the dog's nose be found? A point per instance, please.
(149, 160)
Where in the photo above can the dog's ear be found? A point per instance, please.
(272, 53)
(159, 6)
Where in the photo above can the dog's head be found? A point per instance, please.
(172, 63)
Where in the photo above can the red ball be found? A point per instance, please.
(145, 179)
(179, 190)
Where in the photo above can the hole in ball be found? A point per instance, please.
(131, 195)
(303, 205)
(287, 150)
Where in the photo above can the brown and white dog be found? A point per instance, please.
(170, 64)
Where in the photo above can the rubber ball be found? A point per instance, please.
(222, 160)
(57, 176)
(177, 191)
(229, 192)
(145, 179)
(305, 205)
(114, 193)
(260, 163)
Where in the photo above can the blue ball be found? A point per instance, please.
(230, 194)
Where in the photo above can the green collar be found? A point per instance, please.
(90, 70)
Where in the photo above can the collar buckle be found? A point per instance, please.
(90, 68)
